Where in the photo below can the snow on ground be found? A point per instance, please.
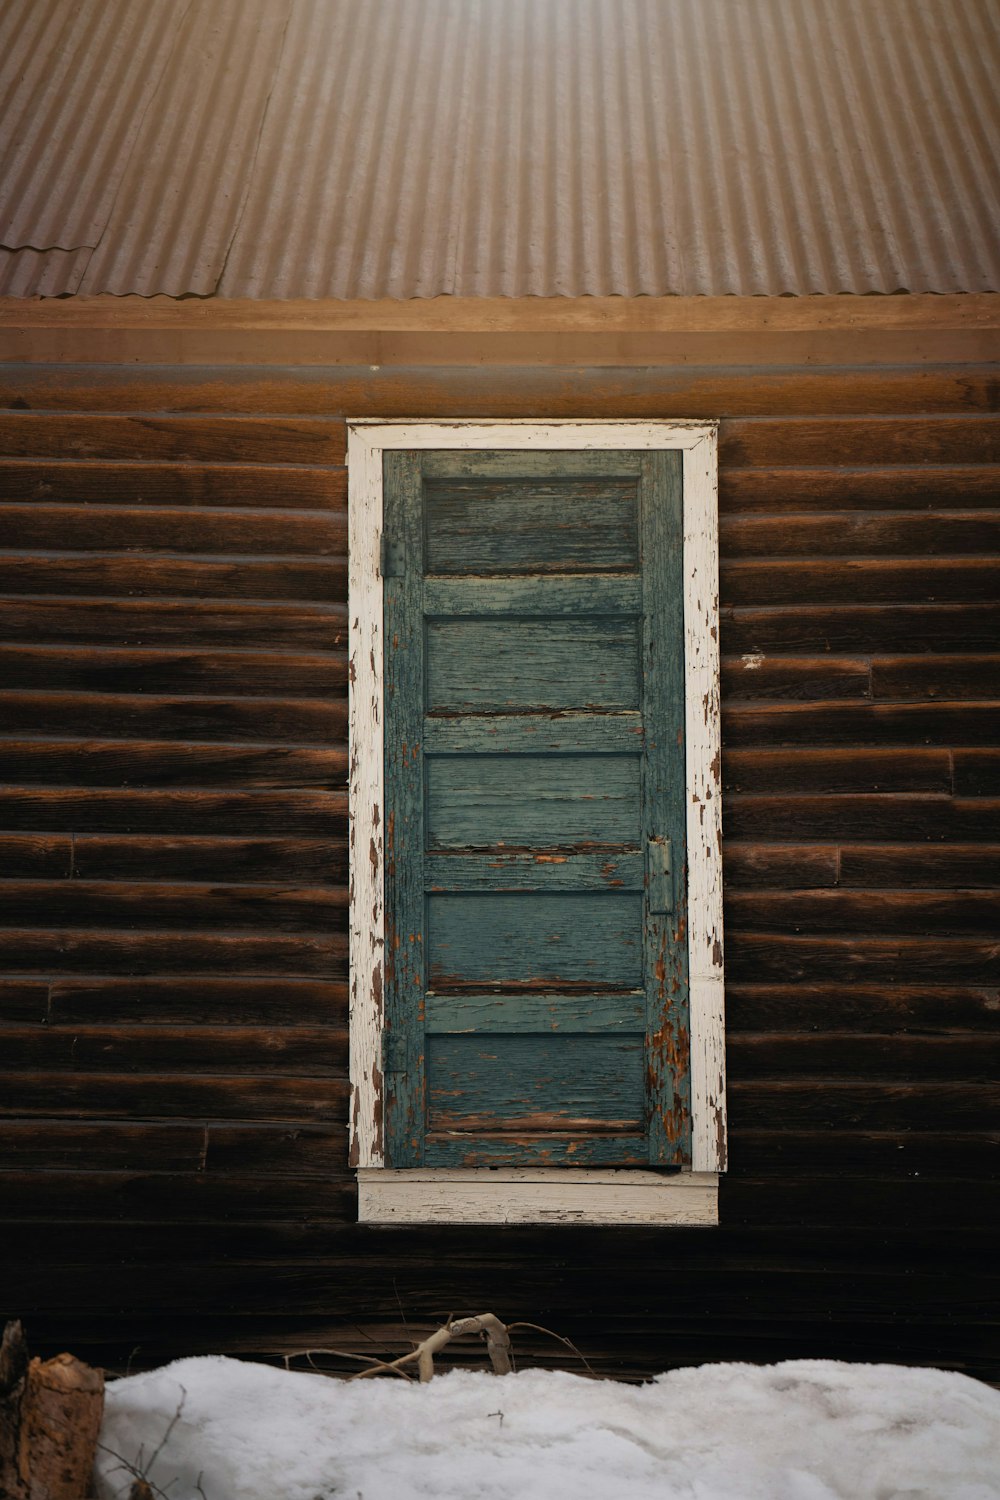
(803, 1430)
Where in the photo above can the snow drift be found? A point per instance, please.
(802, 1430)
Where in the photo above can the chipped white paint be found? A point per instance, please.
(366, 797)
(704, 816)
(532, 1196)
(542, 1195)
(751, 661)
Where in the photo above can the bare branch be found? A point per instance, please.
(568, 1342)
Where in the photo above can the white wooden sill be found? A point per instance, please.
(536, 1195)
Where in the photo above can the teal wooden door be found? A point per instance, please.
(536, 968)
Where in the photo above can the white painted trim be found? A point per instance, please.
(366, 797)
(544, 1195)
(367, 440)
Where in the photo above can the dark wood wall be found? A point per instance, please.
(174, 877)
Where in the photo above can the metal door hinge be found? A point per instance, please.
(391, 557)
(660, 877)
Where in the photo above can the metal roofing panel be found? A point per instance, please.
(183, 191)
(42, 273)
(517, 147)
(75, 83)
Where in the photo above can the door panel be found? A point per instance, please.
(536, 983)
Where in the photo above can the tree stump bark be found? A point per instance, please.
(50, 1417)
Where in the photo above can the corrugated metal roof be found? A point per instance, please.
(409, 148)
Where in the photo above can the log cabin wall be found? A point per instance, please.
(174, 877)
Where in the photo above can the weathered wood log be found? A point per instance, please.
(312, 814)
(27, 481)
(13, 1373)
(107, 669)
(239, 439)
(91, 528)
(827, 487)
(779, 442)
(812, 628)
(312, 578)
(220, 717)
(784, 580)
(165, 763)
(50, 1417)
(314, 626)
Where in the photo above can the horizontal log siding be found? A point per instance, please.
(173, 984)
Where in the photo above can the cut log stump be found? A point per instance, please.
(50, 1417)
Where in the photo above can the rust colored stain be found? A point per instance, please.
(378, 1109)
(354, 1153)
(720, 1137)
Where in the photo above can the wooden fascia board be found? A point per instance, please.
(530, 330)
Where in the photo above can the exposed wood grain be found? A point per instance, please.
(963, 486)
(862, 628)
(301, 1051)
(108, 669)
(23, 1001)
(775, 865)
(88, 481)
(977, 772)
(139, 764)
(904, 1059)
(163, 622)
(890, 816)
(312, 814)
(230, 439)
(191, 905)
(190, 857)
(481, 315)
(807, 724)
(860, 580)
(200, 578)
(28, 856)
(856, 1105)
(761, 957)
(915, 912)
(854, 533)
(440, 392)
(753, 676)
(163, 528)
(137, 1197)
(140, 716)
(101, 1146)
(197, 1000)
(878, 866)
(943, 677)
(297, 1150)
(562, 331)
(171, 1096)
(79, 951)
(796, 441)
(848, 1008)
(526, 801)
(831, 771)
